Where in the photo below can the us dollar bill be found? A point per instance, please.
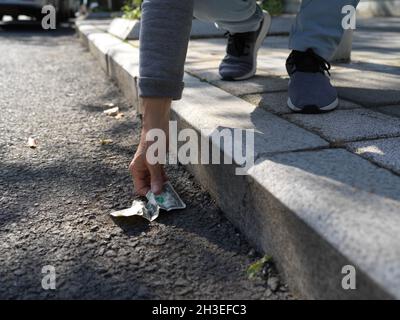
(168, 200)
(149, 211)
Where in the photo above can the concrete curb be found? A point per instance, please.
(126, 29)
(313, 208)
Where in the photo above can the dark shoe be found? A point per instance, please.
(310, 89)
(240, 62)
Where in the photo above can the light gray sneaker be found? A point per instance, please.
(240, 62)
(310, 89)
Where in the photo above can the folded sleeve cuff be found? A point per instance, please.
(154, 87)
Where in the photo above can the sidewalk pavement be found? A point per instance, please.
(325, 189)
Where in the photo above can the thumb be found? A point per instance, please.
(156, 180)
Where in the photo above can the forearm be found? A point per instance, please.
(164, 37)
(156, 113)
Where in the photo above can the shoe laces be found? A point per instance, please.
(307, 61)
(238, 44)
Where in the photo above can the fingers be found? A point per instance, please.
(142, 187)
(141, 178)
(157, 178)
(147, 177)
(165, 177)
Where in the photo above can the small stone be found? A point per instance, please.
(107, 237)
(252, 253)
(19, 272)
(110, 254)
(159, 242)
(184, 291)
(142, 293)
(181, 283)
(94, 228)
(273, 283)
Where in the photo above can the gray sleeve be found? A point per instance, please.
(164, 36)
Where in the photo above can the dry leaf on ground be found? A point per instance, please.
(105, 141)
(119, 115)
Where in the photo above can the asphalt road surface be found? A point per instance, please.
(55, 200)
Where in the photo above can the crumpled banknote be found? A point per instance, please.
(168, 200)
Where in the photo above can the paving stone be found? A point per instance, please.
(273, 61)
(390, 110)
(378, 24)
(349, 125)
(262, 82)
(207, 107)
(277, 102)
(379, 61)
(385, 152)
(207, 46)
(378, 41)
(366, 61)
(271, 57)
(203, 69)
(368, 88)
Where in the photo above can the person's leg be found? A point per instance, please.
(318, 26)
(246, 24)
(234, 16)
(315, 36)
(164, 37)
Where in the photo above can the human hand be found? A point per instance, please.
(148, 176)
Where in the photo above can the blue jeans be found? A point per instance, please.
(166, 24)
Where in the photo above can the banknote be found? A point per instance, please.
(168, 200)
(149, 211)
